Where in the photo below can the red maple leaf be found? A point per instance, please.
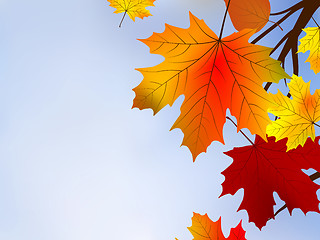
(265, 167)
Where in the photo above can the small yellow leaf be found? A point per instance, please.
(134, 8)
(297, 116)
(311, 42)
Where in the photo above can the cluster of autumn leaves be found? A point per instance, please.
(215, 74)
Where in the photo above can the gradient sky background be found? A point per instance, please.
(76, 162)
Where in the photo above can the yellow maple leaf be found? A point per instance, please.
(297, 116)
(311, 42)
(134, 8)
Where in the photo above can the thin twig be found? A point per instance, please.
(280, 209)
(284, 11)
(240, 130)
(125, 13)
(315, 22)
(291, 38)
(295, 60)
(314, 176)
(316, 124)
(224, 20)
(277, 24)
(285, 79)
(266, 32)
(282, 40)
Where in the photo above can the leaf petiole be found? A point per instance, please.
(315, 22)
(224, 20)
(276, 24)
(240, 130)
(125, 13)
(316, 124)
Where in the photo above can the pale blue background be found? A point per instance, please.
(76, 163)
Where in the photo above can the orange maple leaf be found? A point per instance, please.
(213, 74)
(204, 228)
(252, 14)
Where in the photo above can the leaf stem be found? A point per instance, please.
(280, 209)
(125, 13)
(276, 24)
(315, 22)
(316, 124)
(224, 20)
(240, 130)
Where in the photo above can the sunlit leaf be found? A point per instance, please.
(213, 74)
(297, 116)
(311, 42)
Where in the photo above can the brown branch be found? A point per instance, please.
(291, 38)
(266, 32)
(284, 11)
(314, 176)
(291, 44)
(295, 60)
(285, 80)
(282, 40)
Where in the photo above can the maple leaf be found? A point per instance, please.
(134, 8)
(204, 228)
(267, 167)
(252, 14)
(311, 42)
(213, 74)
(298, 116)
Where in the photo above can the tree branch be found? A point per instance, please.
(291, 44)
(291, 38)
(295, 60)
(266, 32)
(284, 11)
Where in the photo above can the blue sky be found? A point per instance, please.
(76, 162)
